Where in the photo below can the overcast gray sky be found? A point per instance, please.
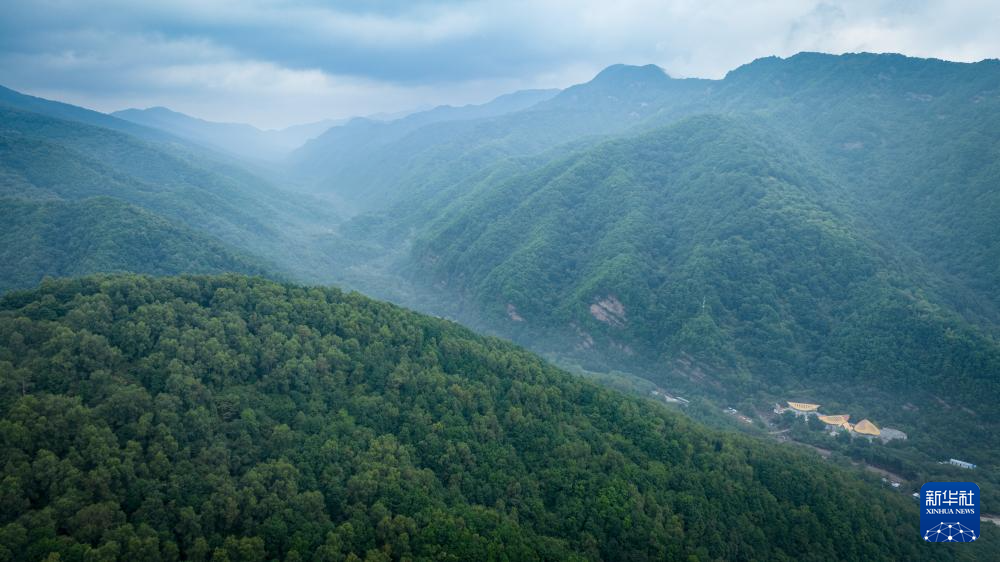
(279, 62)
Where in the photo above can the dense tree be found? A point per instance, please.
(818, 225)
(704, 251)
(229, 418)
(198, 198)
(102, 234)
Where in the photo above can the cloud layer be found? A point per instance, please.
(277, 62)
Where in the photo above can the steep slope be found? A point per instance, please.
(100, 234)
(913, 140)
(233, 138)
(361, 135)
(703, 242)
(42, 158)
(376, 164)
(917, 141)
(362, 163)
(228, 417)
(850, 258)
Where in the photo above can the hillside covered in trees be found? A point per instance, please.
(84, 174)
(233, 418)
(818, 226)
(704, 241)
(58, 238)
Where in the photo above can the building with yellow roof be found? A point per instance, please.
(866, 427)
(838, 420)
(803, 407)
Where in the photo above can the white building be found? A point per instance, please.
(961, 464)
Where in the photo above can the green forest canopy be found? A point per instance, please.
(233, 418)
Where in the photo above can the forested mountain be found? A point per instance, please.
(374, 165)
(60, 238)
(819, 225)
(235, 418)
(371, 165)
(916, 141)
(233, 138)
(702, 241)
(212, 200)
(365, 161)
(10, 99)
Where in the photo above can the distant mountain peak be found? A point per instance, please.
(619, 73)
(625, 86)
(157, 109)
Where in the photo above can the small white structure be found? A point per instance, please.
(666, 397)
(961, 464)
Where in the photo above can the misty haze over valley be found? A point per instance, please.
(547, 307)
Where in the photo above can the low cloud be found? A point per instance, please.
(275, 62)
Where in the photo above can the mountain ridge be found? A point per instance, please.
(17, 100)
(239, 139)
(44, 158)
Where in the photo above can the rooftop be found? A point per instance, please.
(803, 407)
(867, 428)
